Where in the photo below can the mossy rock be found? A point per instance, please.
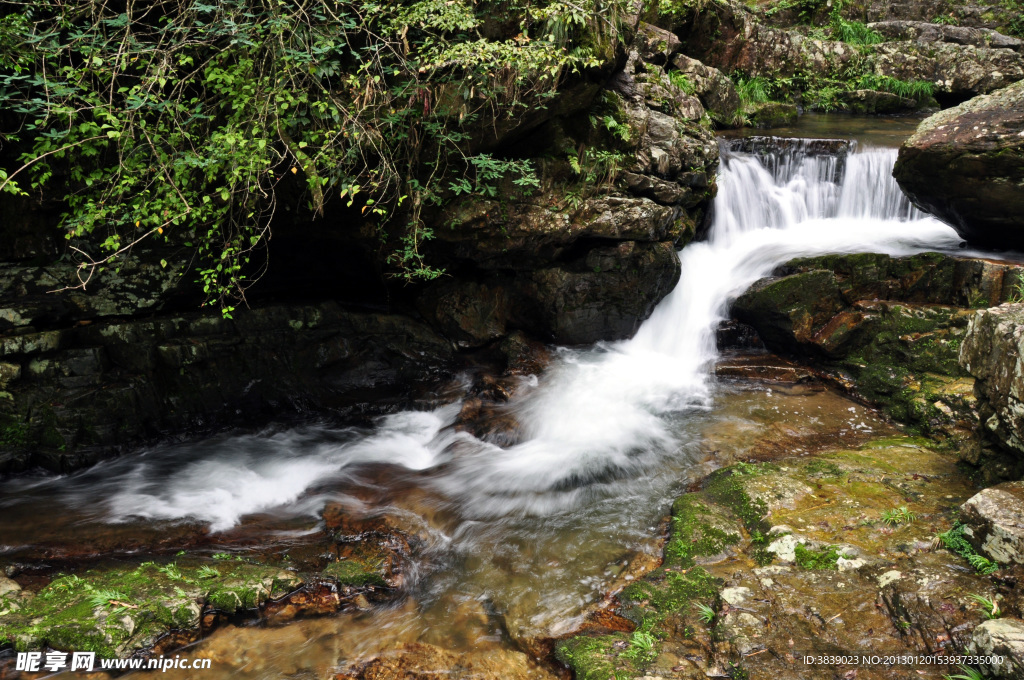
(115, 612)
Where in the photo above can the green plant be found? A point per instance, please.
(824, 98)
(753, 90)
(954, 541)
(705, 613)
(184, 122)
(207, 571)
(947, 19)
(853, 32)
(826, 557)
(967, 673)
(680, 80)
(900, 515)
(919, 90)
(642, 646)
(990, 607)
(106, 598)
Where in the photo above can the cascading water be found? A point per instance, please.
(607, 433)
(597, 412)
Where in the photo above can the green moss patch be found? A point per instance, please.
(118, 611)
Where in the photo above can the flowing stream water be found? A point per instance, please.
(515, 542)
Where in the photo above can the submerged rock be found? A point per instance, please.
(965, 165)
(771, 562)
(418, 661)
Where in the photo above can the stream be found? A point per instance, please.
(514, 543)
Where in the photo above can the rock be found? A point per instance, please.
(892, 329)
(873, 101)
(146, 603)
(982, 16)
(924, 32)
(991, 352)
(656, 45)
(418, 661)
(8, 586)
(789, 311)
(88, 391)
(1000, 638)
(606, 294)
(898, 600)
(964, 165)
(995, 517)
(771, 114)
(730, 37)
(716, 91)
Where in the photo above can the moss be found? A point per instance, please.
(824, 468)
(117, 611)
(692, 535)
(826, 557)
(725, 487)
(13, 434)
(665, 592)
(594, 657)
(353, 572)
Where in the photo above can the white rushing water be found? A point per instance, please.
(597, 414)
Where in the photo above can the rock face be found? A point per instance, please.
(924, 32)
(966, 165)
(589, 258)
(995, 517)
(77, 393)
(1000, 638)
(991, 352)
(731, 37)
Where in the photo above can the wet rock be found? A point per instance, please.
(789, 312)
(964, 164)
(583, 303)
(763, 366)
(1000, 638)
(116, 613)
(995, 517)
(890, 596)
(87, 392)
(417, 661)
(890, 328)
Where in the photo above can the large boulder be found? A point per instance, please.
(966, 166)
(1001, 643)
(890, 328)
(995, 518)
(991, 352)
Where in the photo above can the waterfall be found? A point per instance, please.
(599, 414)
